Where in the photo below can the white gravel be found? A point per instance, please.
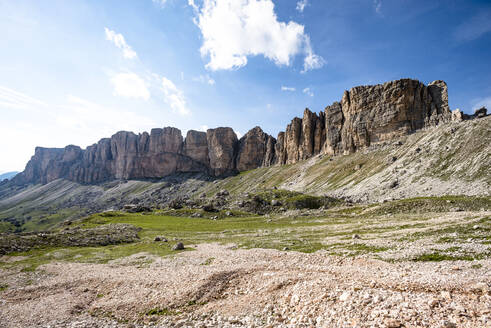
(220, 286)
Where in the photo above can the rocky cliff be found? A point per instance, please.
(365, 115)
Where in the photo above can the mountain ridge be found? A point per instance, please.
(365, 115)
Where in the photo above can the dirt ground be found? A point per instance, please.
(222, 286)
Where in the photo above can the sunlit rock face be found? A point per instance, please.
(364, 115)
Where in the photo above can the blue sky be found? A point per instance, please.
(72, 72)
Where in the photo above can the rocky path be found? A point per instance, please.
(221, 286)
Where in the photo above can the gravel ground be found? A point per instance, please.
(222, 286)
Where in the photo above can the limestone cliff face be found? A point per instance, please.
(222, 149)
(365, 115)
(130, 156)
(256, 149)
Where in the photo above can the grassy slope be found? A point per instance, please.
(381, 228)
(456, 156)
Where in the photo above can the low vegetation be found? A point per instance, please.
(392, 231)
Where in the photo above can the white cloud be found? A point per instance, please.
(291, 89)
(308, 92)
(239, 135)
(193, 5)
(204, 79)
(301, 5)
(119, 41)
(203, 128)
(311, 61)
(174, 97)
(475, 27)
(130, 85)
(235, 29)
(377, 5)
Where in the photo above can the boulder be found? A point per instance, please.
(481, 112)
(457, 115)
(178, 247)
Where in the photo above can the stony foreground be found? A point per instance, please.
(222, 286)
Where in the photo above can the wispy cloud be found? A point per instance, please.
(311, 61)
(130, 85)
(234, 30)
(204, 79)
(119, 41)
(301, 5)
(174, 97)
(160, 2)
(377, 6)
(291, 89)
(78, 114)
(71, 120)
(308, 92)
(12, 99)
(474, 28)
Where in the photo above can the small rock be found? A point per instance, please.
(355, 236)
(344, 296)
(177, 247)
(393, 323)
(433, 302)
(157, 239)
(449, 324)
(393, 184)
(446, 295)
(228, 213)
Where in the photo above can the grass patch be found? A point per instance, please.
(438, 257)
(433, 205)
(3, 287)
(208, 261)
(331, 231)
(158, 311)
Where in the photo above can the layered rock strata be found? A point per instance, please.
(365, 115)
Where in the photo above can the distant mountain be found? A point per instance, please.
(8, 175)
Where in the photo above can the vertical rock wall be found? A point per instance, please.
(365, 115)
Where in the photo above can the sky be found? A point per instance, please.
(73, 72)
